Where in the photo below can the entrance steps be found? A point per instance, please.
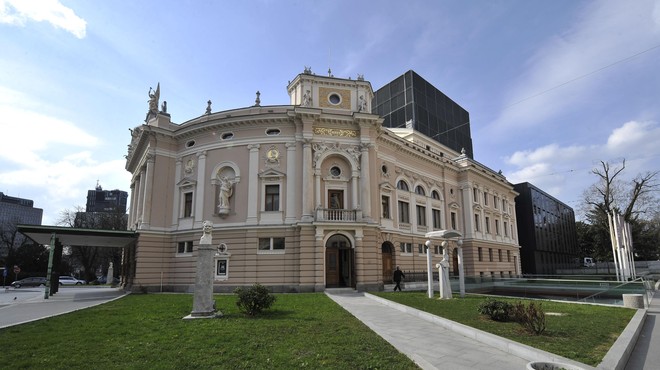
(340, 290)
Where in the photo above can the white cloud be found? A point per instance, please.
(566, 171)
(18, 12)
(606, 32)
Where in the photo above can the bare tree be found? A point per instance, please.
(610, 194)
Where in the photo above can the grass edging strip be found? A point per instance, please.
(618, 355)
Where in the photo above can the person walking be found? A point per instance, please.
(398, 274)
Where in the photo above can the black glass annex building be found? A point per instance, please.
(411, 102)
(546, 231)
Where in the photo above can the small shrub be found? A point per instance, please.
(253, 300)
(531, 317)
(496, 310)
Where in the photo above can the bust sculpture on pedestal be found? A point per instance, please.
(203, 303)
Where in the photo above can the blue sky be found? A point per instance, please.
(552, 87)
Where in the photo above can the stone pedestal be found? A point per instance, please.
(203, 303)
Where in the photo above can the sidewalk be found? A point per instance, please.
(436, 343)
(18, 306)
(645, 354)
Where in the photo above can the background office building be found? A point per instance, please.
(411, 102)
(546, 231)
(99, 200)
(15, 211)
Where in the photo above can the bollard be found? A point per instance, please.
(633, 300)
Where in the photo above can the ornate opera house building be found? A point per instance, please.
(307, 196)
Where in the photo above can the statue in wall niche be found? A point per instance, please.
(362, 104)
(225, 193)
(307, 99)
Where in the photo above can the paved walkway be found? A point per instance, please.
(646, 354)
(18, 306)
(436, 343)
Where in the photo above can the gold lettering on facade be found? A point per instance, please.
(335, 132)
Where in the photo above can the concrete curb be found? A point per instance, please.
(517, 349)
(618, 355)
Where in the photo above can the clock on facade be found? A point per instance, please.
(273, 154)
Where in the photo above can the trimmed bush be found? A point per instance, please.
(531, 317)
(496, 310)
(253, 300)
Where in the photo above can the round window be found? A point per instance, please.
(384, 169)
(190, 143)
(227, 136)
(334, 99)
(335, 171)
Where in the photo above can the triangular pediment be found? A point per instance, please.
(186, 183)
(272, 173)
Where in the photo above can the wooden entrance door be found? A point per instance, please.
(387, 263)
(332, 267)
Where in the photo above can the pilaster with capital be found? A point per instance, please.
(176, 194)
(291, 178)
(148, 191)
(365, 181)
(201, 187)
(253, 184)
(307, 195)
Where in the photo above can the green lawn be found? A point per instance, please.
(299, 331)
(147, 332)
(582, 332)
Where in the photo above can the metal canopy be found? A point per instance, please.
(444, 234)
(78, 237)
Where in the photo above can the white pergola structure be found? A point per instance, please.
(446, 236)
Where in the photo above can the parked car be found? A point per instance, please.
(70, 280)
(31, 281)
(104, 280)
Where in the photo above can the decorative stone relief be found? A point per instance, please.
(190, 166)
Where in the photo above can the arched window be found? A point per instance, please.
(419, 190)
(435, 195)
(402, 185)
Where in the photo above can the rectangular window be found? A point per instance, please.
(487, 224)
(272, 198)
(506, 229)
(436, 219)
(421, 248)
(185, 247)
(437, 249)
(271, 244)
(421, 215)
(497, 227)
(187, 204)
(475, 194)
(499, 255)
(404, 216)
(453, 221)
(485, 198)
(406, 247)
(508, 256)
(479, 252)
(495, 202)
(476, 222)
(385, 205)
(490, 254)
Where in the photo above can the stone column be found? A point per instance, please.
(307, 171)
(132, 219)
(365, 192)
(203, 303)
(291, 184)
(176, 193)
(201, 189)
(253, 185)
